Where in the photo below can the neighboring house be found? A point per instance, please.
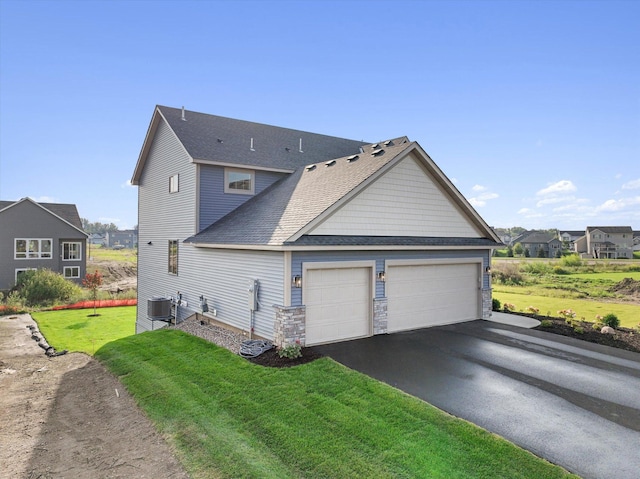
(40, 235)
(534, 241)
(296, 236)
(97, 239)
(606, 242)
(569, 238)
(126, 238)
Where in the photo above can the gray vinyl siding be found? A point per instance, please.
(380, 257)
(223, 278)
(162, 216)
(215, 203)
(27, 220)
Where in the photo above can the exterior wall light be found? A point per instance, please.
(488, 270)
(296, 281)
(381, 276)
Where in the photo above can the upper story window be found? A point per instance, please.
(174, 183)
(71, 251)
(239, 181)
(32, 248)
(173, 257)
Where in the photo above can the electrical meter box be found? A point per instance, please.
(254, 286)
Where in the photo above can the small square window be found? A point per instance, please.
(174, 184)
(239, 181)
(71, 272)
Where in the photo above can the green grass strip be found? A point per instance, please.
(229, 418)
(78, 331)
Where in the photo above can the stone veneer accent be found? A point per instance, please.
(289, 325)
(380, 316)
(487, 304)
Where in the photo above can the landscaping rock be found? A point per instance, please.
(608, 330)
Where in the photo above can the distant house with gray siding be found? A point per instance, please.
(606, 242)
(296, 236)
(40, 235)
(535, 241)
(126, 238)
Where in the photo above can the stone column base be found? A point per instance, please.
(289, 325)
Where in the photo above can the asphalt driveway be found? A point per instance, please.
(573, 403)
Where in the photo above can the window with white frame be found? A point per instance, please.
(173, 257)
(239, 181)
(71, 271)
(32, 248)
(71, 251)
(174, 183)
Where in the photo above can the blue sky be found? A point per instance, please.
(531, 108)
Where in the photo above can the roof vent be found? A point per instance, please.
(352, 158)
(361, 150)
(251, 147)
(182, 117)
(374, 146)
(300, 147)
(330, 163)
(377, 152)
(388, 142)
(311, 167)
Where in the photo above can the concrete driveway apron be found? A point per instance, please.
(573, 403)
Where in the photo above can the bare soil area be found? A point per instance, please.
(68, 417)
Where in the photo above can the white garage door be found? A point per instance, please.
(431, 294)
(338, 302)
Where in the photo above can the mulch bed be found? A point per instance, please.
(271, 359)
(623, 338)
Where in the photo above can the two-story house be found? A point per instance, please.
(297, 236)
(540, 243)
(40, 235)
(606, 242)
(121, 238)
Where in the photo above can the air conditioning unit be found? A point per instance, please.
(159, 308)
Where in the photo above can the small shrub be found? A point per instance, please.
(507, 307)
(578, 329)
(507, 273)
(560, 270)
(611, 320)
(533, 310)
(495, 304)
(546, 323)
(291, 351)
(537, 268)
(571, 261)
(567, 314)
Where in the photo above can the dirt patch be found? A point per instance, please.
(69, 417)
(627, 287)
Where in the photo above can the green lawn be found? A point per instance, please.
(229, 418)
(77, 330)
(613, 276)
(126, 256)
(628, 314)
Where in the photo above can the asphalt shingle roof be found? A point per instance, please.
(324, 240)
(226, 140)
(281, 211)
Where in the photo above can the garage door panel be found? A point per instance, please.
(428, 295)
(337, 303)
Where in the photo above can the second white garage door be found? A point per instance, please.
(423, 295)
(338, 304)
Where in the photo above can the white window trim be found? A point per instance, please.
(21, 270)
(169, 257)
(66, 268)
(174, 183)
(232, 191)
(39, 240)
(79, 258)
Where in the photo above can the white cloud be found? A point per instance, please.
(617, 205)
(479, 188)
(554, 200)
(562, 186)
(631, 185)
(46, 199)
